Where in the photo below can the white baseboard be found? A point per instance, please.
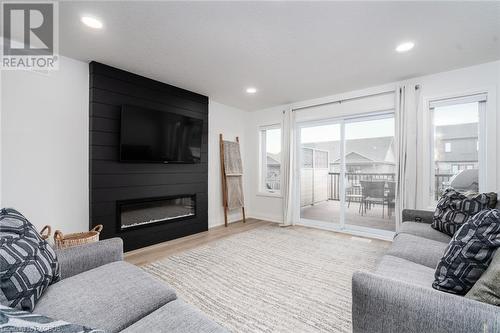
(229, 221)
(275, 219)
(236, 218)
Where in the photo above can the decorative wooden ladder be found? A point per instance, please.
(224, 176)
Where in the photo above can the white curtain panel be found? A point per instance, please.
(287, 164)
(407, 101)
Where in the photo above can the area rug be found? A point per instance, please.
(272, 279)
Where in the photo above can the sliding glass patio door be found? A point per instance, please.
(348, 174)
(319, 147)
(370, 173)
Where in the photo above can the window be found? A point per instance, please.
(456, 121)
(270, 153)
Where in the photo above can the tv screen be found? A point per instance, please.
(158, 136)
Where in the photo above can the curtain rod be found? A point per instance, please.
(344, 100)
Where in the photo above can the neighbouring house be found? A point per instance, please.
(369, 155)
(456, 148)
(273, 171)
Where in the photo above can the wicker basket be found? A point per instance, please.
(45, 232)
(63, 241)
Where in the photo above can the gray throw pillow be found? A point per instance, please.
(28, 265)
(469, 253)
(487, 288)
(454, 209)
(13, 320)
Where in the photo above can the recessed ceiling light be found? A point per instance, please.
(91, 22)
(405, 47)
(251, 90)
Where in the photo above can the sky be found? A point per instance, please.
(456, 114)
(356, 130)
(273, 141)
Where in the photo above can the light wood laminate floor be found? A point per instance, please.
(162, 250)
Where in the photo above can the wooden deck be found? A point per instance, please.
(329, 211)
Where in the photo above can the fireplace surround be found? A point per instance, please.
(113, 182)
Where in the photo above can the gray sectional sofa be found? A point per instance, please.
(100, 290)
(398, 296)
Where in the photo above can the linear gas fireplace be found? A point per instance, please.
(142, 212)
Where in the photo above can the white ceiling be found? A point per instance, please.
(290, 51)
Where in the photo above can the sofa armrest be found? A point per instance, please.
(78, 259)
(380, 304)
(417, 215)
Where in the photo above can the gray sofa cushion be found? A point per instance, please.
(110, 297)
(417, 249)
(406, 271)
(417, 215)
(423, 230)
(78, 259)
(176, 317)
(383, 305)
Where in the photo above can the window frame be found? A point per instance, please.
(484, 100)
(261, 187)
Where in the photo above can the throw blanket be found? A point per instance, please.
(13, 320)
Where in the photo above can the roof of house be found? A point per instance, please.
(458, 131)
(370, 149)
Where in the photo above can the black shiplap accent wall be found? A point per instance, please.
(111, 180)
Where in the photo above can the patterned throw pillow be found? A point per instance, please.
(454, 209)
(13, 320)
(28, 265)
(469, 253)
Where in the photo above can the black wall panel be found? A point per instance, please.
(111, 180)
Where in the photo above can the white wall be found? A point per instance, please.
(261, 206)
(231, 123)
(446, 84)
(44, 142)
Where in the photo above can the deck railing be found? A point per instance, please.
(353, 180)
(273, 184)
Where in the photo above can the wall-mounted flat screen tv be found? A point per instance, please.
(159, 137)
